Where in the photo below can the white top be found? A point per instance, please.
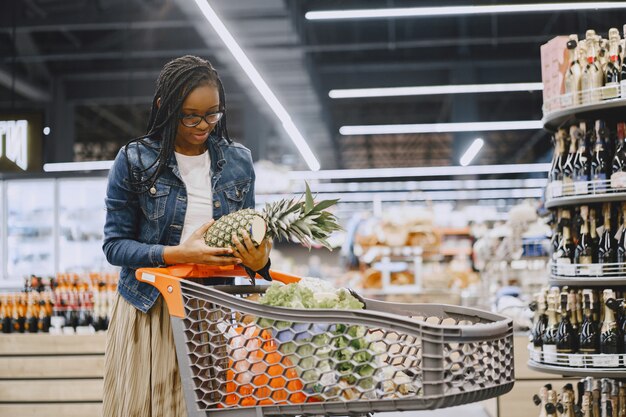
(196, 173)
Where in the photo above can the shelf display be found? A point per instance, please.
(579, 322)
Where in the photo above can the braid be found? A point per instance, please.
(176, 80)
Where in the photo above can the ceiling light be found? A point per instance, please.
(433, 90)
(459, 10)
(441, 171)
(260, 84)
(77, 166)
(440, 127)
(471, 152)
(46, 130)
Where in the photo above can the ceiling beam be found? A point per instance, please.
(22, 87)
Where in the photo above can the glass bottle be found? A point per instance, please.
(572, 75)
(589, 336)
(609, 332)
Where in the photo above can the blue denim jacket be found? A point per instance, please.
(139, 226)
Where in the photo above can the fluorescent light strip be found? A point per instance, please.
(471, 152)
(260, 84)
(422, 196)
(441, 171)
(77, 166)
(440, 127)
(433, 90)
(459, 10)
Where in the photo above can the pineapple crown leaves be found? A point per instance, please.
(304, 221)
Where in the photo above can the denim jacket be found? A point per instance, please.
(139, 225)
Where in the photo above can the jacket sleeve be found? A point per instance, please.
(121, 228)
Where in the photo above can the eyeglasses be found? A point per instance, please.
(193, 120)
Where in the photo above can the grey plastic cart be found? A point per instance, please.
(240, 358)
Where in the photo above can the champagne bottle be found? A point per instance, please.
(620, 236)
(540, 323)
(589, 337)
(622, 400)
(585, 249)
(609, 333)
(605, 403)
(600, 164)
(569, 174)
(566, 337)
(542, 399)
(623, 71)
(596, 398)
(612, 71)
(572, 75)
(618, 176)
(592, 75)
(593, 232)
(565, 254)
(582, 162)
(550, 335)
(607, 246)
(550, 407)
(566, 405)
(557, 234)
(585, 406)
(555, 187)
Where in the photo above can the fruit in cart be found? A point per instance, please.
(305, 221)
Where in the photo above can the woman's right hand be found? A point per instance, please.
(195, 250)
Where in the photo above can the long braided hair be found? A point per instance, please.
(176, 80)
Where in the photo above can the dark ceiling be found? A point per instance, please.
(90, 67)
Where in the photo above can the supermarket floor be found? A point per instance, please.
(468, 410)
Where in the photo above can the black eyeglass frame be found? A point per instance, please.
(182, 118)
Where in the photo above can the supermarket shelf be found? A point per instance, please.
(595, 275)
(600, 365)
(618, 373)
(606, 109)
(601, 195)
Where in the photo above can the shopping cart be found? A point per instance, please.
(240, 358)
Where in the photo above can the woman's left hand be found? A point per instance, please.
(254, 257)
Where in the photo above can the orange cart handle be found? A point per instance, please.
(167, 280)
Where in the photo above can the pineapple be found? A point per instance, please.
(304, 221)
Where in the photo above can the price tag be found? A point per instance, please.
(565, 267)
(557, 189)
(606, 361)
(581, 188)
(549, 353)
(594, 269)
(576, 361)
(535, 355)
(618, 180)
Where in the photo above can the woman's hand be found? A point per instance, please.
(254, 257)
(195, 250)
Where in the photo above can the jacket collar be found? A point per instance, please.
(214, 143)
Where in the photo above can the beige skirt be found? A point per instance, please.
(141, 377)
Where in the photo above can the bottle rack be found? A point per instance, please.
(591, 275)
(583, 192)
(557, 115)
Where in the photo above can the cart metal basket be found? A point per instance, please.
(241, 358)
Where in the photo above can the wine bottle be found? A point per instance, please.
(605, 403)
(593, 233)
(592, 75)
(555, 186)
(600, 164)
(585, 250)
(582, 162)
(589, 337)
(564, 256)
(552, 328)
(623, 72)
(612, 71)
(618, 176)
(566, 337)
(572, 75)
(566, 405)
(620, 237)
(596, 398)
(541, 399)
(557, 230)
(569, 174)
(607, 246)
(609, 333)
(540, 323)
(587, 400)
(551, 402)
(622, 400)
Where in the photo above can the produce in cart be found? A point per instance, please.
(335, 360)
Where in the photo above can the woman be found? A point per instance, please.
(164, 190)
